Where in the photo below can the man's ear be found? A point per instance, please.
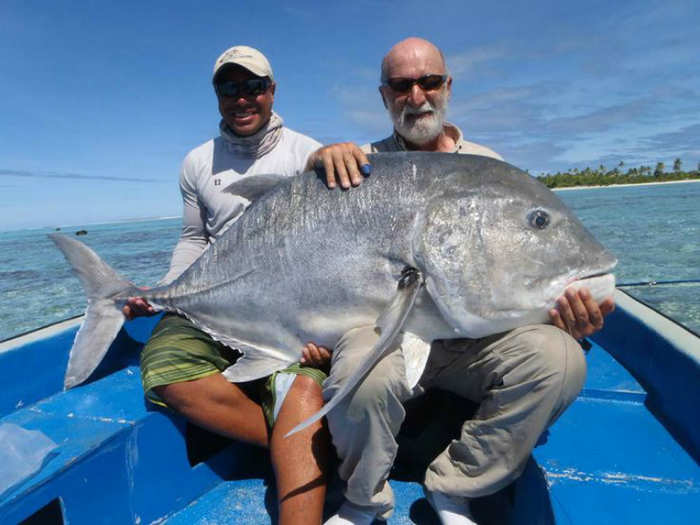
(381, 92)
(273, 86)
(449, 87)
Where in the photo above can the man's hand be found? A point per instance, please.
(137, 307)
(344, 163)
(578, 314)
(316, 356)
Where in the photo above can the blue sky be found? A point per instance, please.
(99, 103)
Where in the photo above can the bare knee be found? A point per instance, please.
(303, 400)
(306, 392)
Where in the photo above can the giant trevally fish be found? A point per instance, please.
(430, 246)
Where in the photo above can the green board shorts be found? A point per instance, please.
(179, 351)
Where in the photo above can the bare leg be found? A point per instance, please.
(217, 405)
(300, 460)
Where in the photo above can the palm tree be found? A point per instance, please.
(659, 170)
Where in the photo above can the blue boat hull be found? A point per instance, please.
(625, 452)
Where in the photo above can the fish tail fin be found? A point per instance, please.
(103, 318)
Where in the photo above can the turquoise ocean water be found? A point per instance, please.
(653, 230)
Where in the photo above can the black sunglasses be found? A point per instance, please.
(252, 86)
(426, 82)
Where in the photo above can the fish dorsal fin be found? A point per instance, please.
(253, 187)
(389, 323)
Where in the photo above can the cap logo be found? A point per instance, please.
(236, 53)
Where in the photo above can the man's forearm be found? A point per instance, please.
(187, 250)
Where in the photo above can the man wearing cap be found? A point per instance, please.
(523, 379)
(180, 365)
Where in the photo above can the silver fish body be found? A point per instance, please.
(493, 246)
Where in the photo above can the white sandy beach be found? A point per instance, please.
(623, 185)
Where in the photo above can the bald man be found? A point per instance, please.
(522, 380)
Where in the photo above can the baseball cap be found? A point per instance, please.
(247, 57)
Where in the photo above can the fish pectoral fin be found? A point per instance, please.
(415, 355)
(252, 188)
(389, 324)
(394, 315)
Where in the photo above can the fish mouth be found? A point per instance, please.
(599, 280)
(601, 285)
(587, 277)
(595, 272)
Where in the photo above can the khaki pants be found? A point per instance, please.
(523, 380)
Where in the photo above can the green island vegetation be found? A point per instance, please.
(601, 176)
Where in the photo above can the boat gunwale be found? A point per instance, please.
(39, 333)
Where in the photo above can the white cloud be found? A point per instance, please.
(466, 61)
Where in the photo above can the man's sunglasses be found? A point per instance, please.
(426, 82)
(252, 86)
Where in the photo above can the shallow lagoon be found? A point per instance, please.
(653, 230)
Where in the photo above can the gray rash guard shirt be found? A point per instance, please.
(207, 170)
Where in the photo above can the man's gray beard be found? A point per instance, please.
(423, 130)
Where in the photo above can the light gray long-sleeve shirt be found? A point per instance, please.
(206, 171)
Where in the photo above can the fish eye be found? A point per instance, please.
(539, 219)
